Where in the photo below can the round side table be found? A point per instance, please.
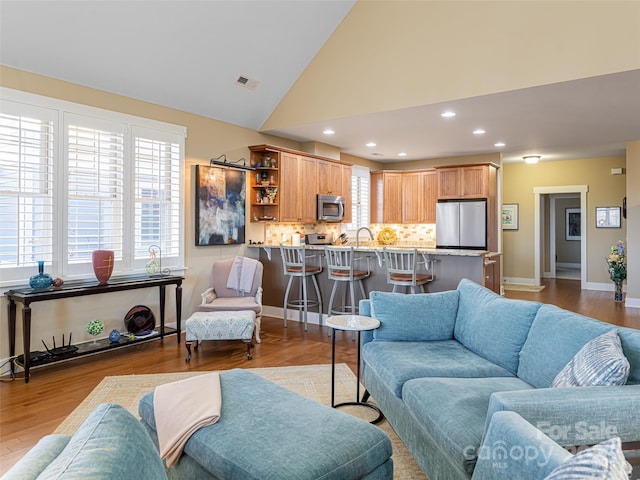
(354, 323)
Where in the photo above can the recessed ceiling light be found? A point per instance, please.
(328, 131)
(499, 144)
(531, 159)
(402, 154)
(371, 144)
(479, 131)
(448, 114)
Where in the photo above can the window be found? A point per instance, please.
(74, 179)
(359, 198)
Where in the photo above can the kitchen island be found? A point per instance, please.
(450, 266)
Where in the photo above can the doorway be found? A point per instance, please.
(545, 228)
(564, 238)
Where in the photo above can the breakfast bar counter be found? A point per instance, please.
(450, 266)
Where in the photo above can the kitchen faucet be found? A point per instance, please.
(358, 235)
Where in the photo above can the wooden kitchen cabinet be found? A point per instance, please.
(412, 198)
(429, 196)
(469, 181)
(386, 197)
(404, 196)
(346, 192)
(330, 178)
(298, 183)
(299, 177)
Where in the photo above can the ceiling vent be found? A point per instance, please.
(247, 82)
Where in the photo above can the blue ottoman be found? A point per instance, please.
(268, 432)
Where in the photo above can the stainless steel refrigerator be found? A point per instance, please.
(461, 224)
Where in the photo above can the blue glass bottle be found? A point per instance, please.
(41, 280)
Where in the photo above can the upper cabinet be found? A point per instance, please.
(403, 196)
(469, 181)
(429, 196)
(386, 197)
(299, 177)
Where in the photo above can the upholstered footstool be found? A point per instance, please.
(220, 326)
(267, 432)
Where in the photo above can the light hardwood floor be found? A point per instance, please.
(30, 411)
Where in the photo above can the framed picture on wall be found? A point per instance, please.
(608, 217)
(510, 216)
(572, 227)
(220, 206)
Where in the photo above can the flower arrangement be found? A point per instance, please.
(617, 263)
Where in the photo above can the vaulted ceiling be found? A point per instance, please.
(379, 72)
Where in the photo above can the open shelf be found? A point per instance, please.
(89, 348)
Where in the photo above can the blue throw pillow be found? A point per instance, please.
(415, 318)
(603, 461)
(601, 362)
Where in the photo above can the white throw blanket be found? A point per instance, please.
(241, 274)
(181, 408)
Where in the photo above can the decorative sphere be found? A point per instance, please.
(58, 282)
(95, 327)
(114, 336)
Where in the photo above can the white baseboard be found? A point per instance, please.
(603, 287)
(632, 302)
(292, 314)
(567, 265)
(518, 281)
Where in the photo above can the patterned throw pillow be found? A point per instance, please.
(601, 362)
(603, 461)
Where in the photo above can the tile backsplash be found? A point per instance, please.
(408, 234)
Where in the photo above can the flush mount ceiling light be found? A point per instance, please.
(328, 131)
(448, 114)
(531, 159)
(499, 144)
(371, 144)
(402, 154)
(479, 131)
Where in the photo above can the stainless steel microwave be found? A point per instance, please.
(330, 208)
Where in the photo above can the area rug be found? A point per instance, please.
(515, 287)
(312, 381)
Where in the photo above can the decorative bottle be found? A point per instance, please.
(41, 280)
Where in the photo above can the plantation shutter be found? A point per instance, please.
(26, 193)
(359, 198)
(95, 189)
(157, 181)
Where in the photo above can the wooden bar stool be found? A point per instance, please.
(296, 264)
(404, 269)
(342, 270)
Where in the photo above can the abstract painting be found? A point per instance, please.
(220, 206)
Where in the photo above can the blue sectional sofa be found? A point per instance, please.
(442, 364)
(110, 444)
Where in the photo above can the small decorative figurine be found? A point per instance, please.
(114, 336)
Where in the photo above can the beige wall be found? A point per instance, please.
(388, 55)
(206, 138)
(604, 189)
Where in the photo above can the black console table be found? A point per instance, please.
(26, 296)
